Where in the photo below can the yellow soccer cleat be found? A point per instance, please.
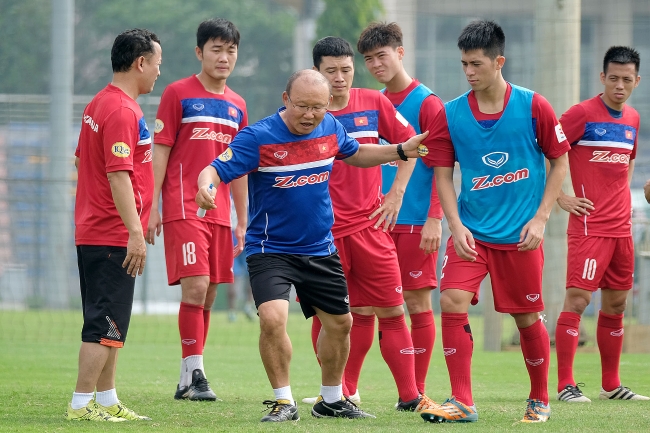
(120, 411)
(451, 411)
(89, 413)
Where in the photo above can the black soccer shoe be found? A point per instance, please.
(281, 410)
(181, 393)
(343, 408)
(199, 389)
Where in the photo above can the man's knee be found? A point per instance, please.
(336, 324)
(576, 300)
(418, 301)
(273, 317)
(194, 289)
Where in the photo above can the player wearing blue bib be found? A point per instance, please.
(288, 158)
(500, 135)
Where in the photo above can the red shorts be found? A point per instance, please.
(418, 269)
(369, 261)
(194, 248)
(516, 276)
(595, 262)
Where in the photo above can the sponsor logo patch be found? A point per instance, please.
(198, 107)
(600, 131)
(559, 133)
(484, 182)
(415, 274)
(572, 332)
(281, 154)
(423, 150)
(90, 122)
(535, 362)
(226, 155)
(495, 159)
(121, 150)
(617, 333)
(207, 134)
(532, 298)
(604, 156)
(407, 351)
(158, 126)
(292, 182)
(188, 341)
(448, 351)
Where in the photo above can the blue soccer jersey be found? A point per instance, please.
(290, 210)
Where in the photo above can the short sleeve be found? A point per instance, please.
(393, 127)
(168, 118)
(240, 158)
(550, 136)
(440, 149)
(120, 134)
(348, 146)
(573, 123)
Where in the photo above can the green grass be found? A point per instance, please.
(38, 368)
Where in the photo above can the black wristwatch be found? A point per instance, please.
(401, 153)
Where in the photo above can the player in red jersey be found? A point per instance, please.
(112, 208)
(197, 119)
(603, 135)
(500, 134)
(418, 231)
(359, 211)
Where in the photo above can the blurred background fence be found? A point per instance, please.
(36, 232)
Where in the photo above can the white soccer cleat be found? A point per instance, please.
(621, 393)
(572, 394)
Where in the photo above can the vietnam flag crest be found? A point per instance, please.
(232, 111)
(361, 121)
(628, 134)
(323, 147)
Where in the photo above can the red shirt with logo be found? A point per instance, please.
(198, 125)
(355, 191)
(114, 137)
(602, 147)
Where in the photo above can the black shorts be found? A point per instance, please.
(106, 294)
(319, 281)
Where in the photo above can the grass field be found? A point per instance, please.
(38, 367)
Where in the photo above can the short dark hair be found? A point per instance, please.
(622, 55)
(217, 28)
(331, 46)
(378, 35)
(129, 45)
(483, 35)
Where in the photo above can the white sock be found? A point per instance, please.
(107, 398)
(193, 362)
(283, 393)
(331, 394)
(80, 399)
(185, 379)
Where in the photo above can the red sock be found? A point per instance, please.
(206, 325)
(190, 326)
(536, 347)
(397, 349)
(567, 333)
(609, 335)
(458, 346)
(315, 332)
(361, 336)
(423, 334)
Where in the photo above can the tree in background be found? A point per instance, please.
(263, 66)
(346, 19)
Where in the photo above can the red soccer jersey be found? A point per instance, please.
(113, 137)
(199, 126)
(430, 108)
(356, 192)
(601, 149)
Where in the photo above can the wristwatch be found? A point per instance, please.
(400, 153)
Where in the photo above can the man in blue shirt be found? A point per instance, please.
(289, 156)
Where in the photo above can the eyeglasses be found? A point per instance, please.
(317, 109)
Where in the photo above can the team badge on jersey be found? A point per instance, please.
(423, 150)
(226, 155)
(232, 111)
(361, 121)
(629, 134)
(158, 126)
(121, 150)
